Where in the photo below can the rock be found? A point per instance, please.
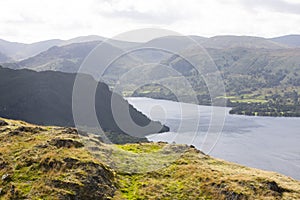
(3, 123)
(50, 164)
(30, 129)
(67, 143)
(71, 162)
(15, 133)
(2, 165)
(272, 185)
(72, 131)
(230, 195)
(96, 184)
(6, 177)
(41, 146)
(12, 190)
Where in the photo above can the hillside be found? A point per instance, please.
(68, 58)
(263, 73)
(4, 58)
(290, 40)
(38, 162)
(65, 59)
(268, 79)
(230, 41)
(45, 98)
(19, 51)
(49, 163)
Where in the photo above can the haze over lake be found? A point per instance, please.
(267, 143)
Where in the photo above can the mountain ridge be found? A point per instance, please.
(291, 40)
(46, 98)
(20, 51)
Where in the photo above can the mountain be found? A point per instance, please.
(68, 55)
(19, 51)
(290, 40)
(4, 58)
(161, 48)
(80, 39)
(174, 43)
(253, 69)
(46, 162)
(117, 43)
(242, 69)
(46, 98)
(65, 58)
(68, 58)
(243, 61)
(226, 42)
(258, 81)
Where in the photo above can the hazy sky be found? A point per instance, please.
(35, 20)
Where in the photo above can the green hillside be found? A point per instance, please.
(39, 162)
(46, 98)
(261, 76)
(257, 81)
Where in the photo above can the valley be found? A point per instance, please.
(261, 76)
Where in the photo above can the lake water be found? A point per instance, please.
(267, 143)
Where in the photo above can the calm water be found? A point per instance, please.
(262, 142)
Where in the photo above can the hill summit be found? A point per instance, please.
(49, 162)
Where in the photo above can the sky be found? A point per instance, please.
(35, 20)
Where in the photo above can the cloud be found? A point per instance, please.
(33, 20)
(150, 12)
(273, 5)
(141, 17)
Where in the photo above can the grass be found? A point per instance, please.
(188, 174)
(34, 170)
(136, 148)
(130, 171)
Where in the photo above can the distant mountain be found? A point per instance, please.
(81, 39)
(250, 75)
(226, 42)
(179, 43)
(246, 63)
(117, 43)
(160, 48)
(65, 58)
(68, 58)
(290, 40)
(19, 51)
(4, 58)
(174, 43)
(245, 68)
(46, 98)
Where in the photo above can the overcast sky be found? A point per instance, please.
(36, 20)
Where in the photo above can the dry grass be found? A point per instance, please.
(37, 169)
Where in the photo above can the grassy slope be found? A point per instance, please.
(52, 163)
(49, 163)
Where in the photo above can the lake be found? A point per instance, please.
(267, 143)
